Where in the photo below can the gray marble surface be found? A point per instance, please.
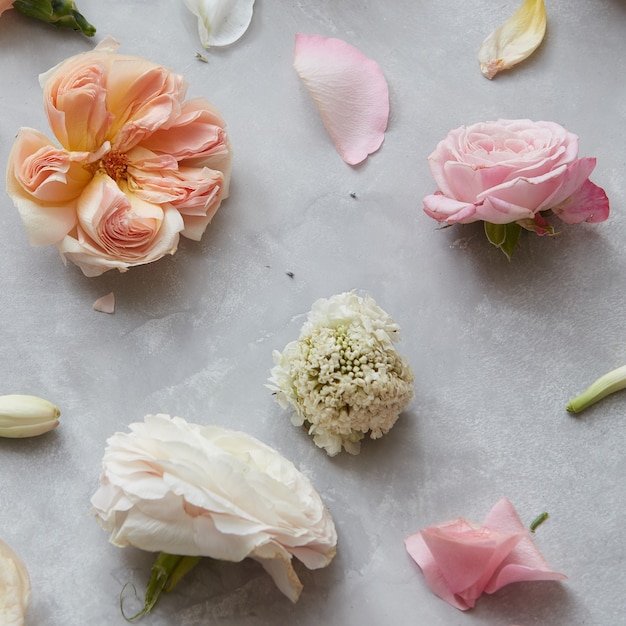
(497, 348)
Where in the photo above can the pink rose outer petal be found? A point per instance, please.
(350, 93)
(105, 304)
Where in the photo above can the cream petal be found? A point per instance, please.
(221, 22)
(105, 304)
(277, 563)
(514, 40)
(350, 92)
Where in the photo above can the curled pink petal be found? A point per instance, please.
(350, 92)
(461, 560)
(588, 204)
(44, 182)
(525, 561)
(448, 210)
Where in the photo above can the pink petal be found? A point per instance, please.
(589, 204)
(350, 92)
(467, 555)
(43, 183)
(532, 194)
(448, 210)
(420, 553)
(105, 304)
(198, 132)
(525, 562)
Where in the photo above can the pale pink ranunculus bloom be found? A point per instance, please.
(138, 166)
(198, 490)
(511, 171)
(462, 560)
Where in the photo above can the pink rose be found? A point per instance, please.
(461, 560)
(138, 165)
(511, 171)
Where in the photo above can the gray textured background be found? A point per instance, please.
(497, 348)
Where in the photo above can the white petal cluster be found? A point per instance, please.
(343, 376)
(193, 490)
(14, 587)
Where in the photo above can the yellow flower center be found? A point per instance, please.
(115, 164)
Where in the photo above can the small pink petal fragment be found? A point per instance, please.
(461, 560)
(105, 304)
(350, 92)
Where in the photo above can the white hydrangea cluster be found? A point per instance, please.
(343, 376)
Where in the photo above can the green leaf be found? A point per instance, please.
(496, 233)
(503, 236)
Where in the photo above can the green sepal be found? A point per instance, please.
(186, 564)
(167, 571)
(61, 13)
(503, 236)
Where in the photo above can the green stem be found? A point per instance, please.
(167, 571)
(613, 381)
(540, 519)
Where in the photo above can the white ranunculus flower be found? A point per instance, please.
(188, 489)
(14, 587)
(221, 22)
(343, 376)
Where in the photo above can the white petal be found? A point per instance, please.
(105, 304)
(221, 22)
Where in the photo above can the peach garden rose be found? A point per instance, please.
(511, 174)
(137, 167)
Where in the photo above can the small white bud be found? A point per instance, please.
(26, 416)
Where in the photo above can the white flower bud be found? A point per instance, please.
(26, 416)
